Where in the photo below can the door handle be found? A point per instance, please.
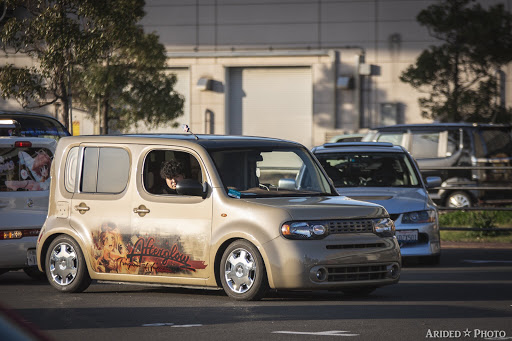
(82, 208)
(141, 210)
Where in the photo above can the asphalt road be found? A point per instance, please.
(467, 297)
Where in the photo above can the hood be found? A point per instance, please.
(321, 208)
(396, 200)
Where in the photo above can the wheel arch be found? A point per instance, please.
(225, 244)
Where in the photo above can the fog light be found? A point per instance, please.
(321, 274)
(393, 271)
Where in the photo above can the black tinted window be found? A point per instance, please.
(498, 142)
(39, 126)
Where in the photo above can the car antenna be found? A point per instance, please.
(186, 129)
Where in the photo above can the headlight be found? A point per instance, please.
(304, 230)
(384, 227)
(419, 217)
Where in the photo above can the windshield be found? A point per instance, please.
(369, 169)
(265, 172)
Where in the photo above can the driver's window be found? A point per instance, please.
(164, 168)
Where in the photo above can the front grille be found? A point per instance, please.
(355, 246)
(350, 226)
(356, 273)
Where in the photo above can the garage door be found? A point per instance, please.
(182, 86)
(273, 102)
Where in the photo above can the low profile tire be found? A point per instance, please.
(242, 272)
(358, 292)
(65, 266)
(458, 199)
(34, 273)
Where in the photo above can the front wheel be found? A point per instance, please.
(34, 273)
(458, 199)
(65, 266)
(243, 275)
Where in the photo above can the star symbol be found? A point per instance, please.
(467, 333)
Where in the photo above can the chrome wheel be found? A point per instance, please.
(458, 199)
(63, 264)
(240, 271)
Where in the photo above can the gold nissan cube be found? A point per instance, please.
(245, 214)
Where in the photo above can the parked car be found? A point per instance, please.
(452, 151)
(27, 144)
(25, 164)
(387, 175)
(14, 123)
(347, 138)
(247, 214)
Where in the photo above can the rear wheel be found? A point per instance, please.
(65, 266)
(458, 199)
(243, 275)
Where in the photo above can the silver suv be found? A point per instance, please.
(242, 213)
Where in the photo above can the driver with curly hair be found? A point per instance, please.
(172, 171)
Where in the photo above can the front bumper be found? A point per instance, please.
(429, 240)
(336, 262)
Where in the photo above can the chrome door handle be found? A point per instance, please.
(141, 210)
(82, 208)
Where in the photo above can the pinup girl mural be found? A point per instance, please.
(33, 171)
(109, 249)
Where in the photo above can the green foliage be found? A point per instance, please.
(477, 219)
(99, 48)
(459, 75)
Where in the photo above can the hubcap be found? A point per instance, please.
(459, 200)
(240, 271)
(63, 264)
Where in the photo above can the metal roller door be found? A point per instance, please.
(273, 102)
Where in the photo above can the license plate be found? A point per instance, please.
(31, 257)
(407, 236)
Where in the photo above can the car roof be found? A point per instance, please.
(205, 140)
(426, 126)
(385, 147)
(22, 113)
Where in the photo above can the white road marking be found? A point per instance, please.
(171, 325)
(487, 261)
(326, 333)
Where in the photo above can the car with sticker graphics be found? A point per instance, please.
(245, 214)
(27, 144)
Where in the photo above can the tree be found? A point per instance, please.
(68, 40)
(461, 75)
(129, 83)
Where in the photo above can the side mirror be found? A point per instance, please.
(433, 181)
(287, 184)
(190, 187)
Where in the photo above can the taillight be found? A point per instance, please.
(22, 144)
(18, 234)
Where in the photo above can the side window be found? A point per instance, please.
(70, 170)
(425, 145)
(105, 170)
(394, 138)
(164, 168)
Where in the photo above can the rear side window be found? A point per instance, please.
(498, 143)
(25, 169)
(105, 170)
